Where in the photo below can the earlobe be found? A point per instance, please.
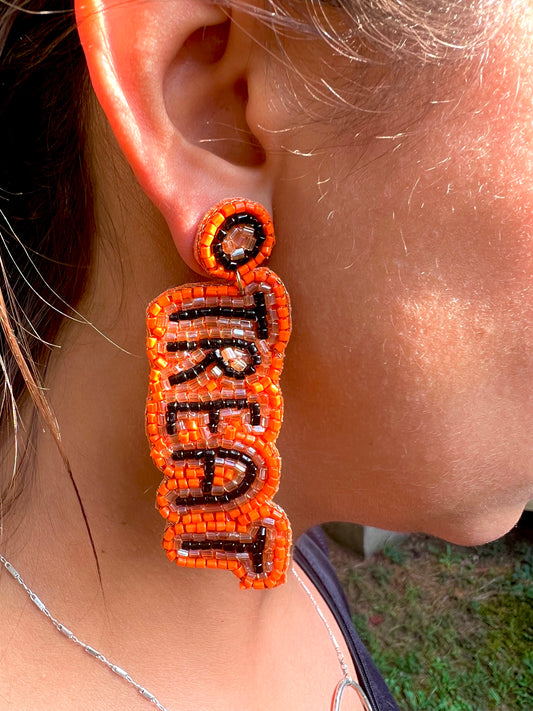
(172, 79)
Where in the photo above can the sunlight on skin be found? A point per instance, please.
(417, 240)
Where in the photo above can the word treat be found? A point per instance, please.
(215, 408)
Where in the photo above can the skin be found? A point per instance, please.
(424, 286)
(410, 254)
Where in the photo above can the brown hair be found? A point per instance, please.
(45, 199)
(405, 31)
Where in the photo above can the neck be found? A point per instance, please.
(142, 605)
(143, 602)
(221, 639)
(99, 403)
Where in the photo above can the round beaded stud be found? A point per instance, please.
(215, 407)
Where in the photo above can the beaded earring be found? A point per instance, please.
(215, 407)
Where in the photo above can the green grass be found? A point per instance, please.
(450, 628)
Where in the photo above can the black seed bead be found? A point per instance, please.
(255, 414)
(177, 378)
(231, 372)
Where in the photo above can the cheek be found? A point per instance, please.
(409, 260)
(413, 344)
(470, 364)
(415, 412)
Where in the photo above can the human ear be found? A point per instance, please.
(172, 78)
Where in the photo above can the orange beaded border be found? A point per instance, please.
(236, 522)
(212, 223)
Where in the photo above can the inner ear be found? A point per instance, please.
(206, 97)
(208, 44)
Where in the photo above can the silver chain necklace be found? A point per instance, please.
(346, 681)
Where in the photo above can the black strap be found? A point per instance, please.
(311, 555)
